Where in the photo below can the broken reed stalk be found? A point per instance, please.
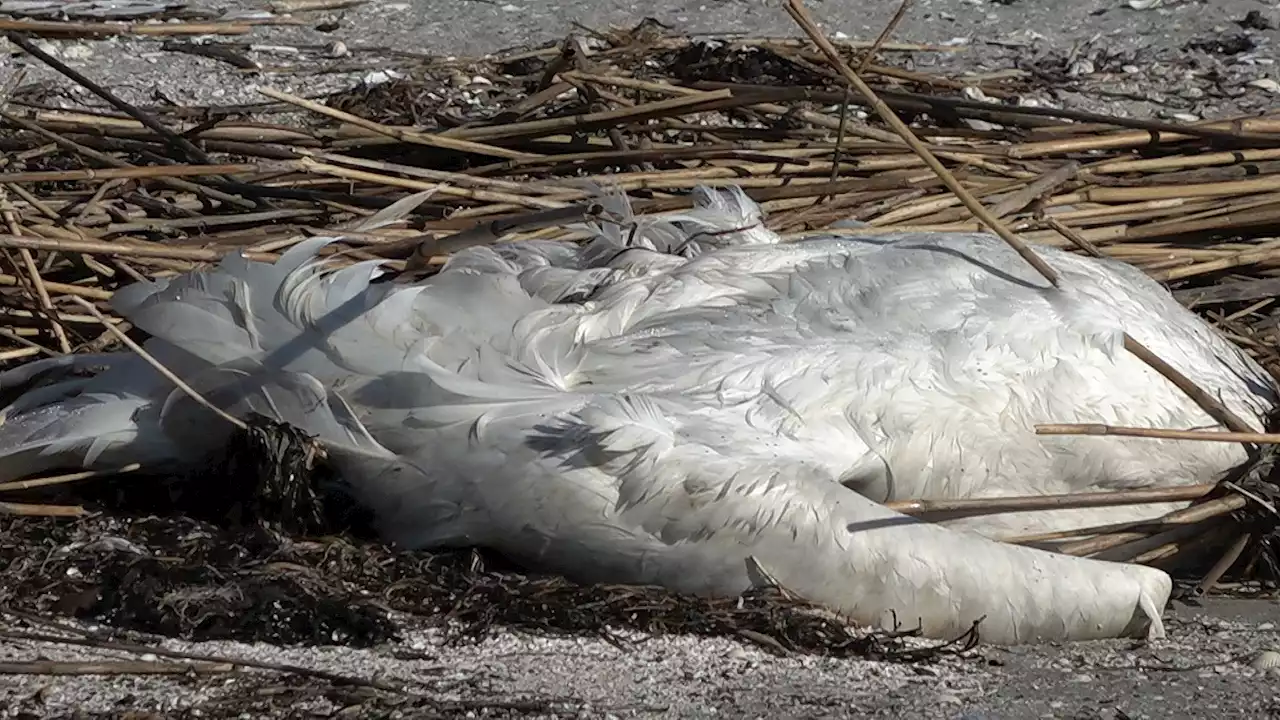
(1189, 516)
(697, 101)
(31, 483)
(1071, 534)
(111, 667)
(1159, 433)
(147, 251)
(1260, 130)
(1041, 186)
(36, 510)
(968, 507)
(441, 186)
(19, 353)
(1076, 238)
(870, 55)
(1154, 547)
(106, 29)
(1207, 402)
(150, 171)
(34, 278)
(46, 302)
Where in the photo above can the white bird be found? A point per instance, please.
(691, 402)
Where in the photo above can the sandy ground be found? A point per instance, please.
(1201, 671)
(1187, 59)
(1161, 61)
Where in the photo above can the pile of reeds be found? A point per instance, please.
(93, 199)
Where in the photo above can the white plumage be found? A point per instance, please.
(685, 402)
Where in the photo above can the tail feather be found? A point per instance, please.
(21, 379)
(90, 431)
(224, 314)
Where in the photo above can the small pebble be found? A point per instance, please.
(1267, 84)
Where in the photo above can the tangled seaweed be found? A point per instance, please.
(185, 578)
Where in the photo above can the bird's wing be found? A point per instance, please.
(631, 489)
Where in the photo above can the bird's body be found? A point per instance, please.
(693, 404)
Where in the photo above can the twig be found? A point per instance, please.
(139, 250)
(297, 6)
(1019, 116)
(696, 101)
(32, 348)
(862, 66)
(19, 353)
(884, 35)
(525, 200)
(46, 303)
(1156, 547)
(1043, 185)
(844, 121)
(1071, 533)
(1249, 131)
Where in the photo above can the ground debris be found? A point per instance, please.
(179, 577)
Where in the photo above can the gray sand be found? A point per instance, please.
(1130, 62)
(1202, 670)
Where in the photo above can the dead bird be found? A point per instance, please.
(688, 401)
